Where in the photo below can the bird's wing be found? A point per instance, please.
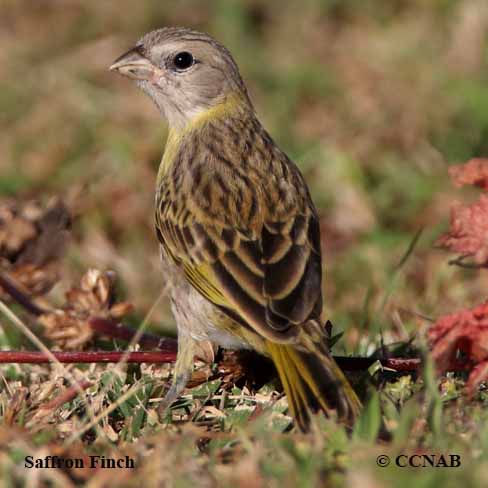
(270, 278)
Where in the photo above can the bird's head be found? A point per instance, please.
(185, 72)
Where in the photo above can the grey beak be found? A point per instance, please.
(134, 64)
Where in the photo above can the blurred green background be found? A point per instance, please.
(372, 99)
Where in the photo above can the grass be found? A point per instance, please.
(373, 100)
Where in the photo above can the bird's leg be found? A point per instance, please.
(182, 373)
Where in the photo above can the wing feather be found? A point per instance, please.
(272, 282)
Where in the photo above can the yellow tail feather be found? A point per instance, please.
(312, 381)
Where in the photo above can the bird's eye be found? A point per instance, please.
(183, 60)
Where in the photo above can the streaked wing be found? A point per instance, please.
(270, 278)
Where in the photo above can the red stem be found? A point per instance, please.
(38, 357)
(161, 357)
(348, 363)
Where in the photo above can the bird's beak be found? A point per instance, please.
(134, 64)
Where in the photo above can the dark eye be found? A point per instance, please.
(183, 60)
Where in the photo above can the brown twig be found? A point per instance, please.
(13, 290)
(459, 261)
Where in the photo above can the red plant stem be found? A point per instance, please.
(38, 357)
(161, 357)
(400, 364)
(348, 363)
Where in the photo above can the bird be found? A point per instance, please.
(238, 231)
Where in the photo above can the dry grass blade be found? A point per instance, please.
(38, 343)
(96, 419)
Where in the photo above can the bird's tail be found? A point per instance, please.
(313, 382)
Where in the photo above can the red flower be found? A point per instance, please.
(474, 172)
(468, 231)
(461, 339)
